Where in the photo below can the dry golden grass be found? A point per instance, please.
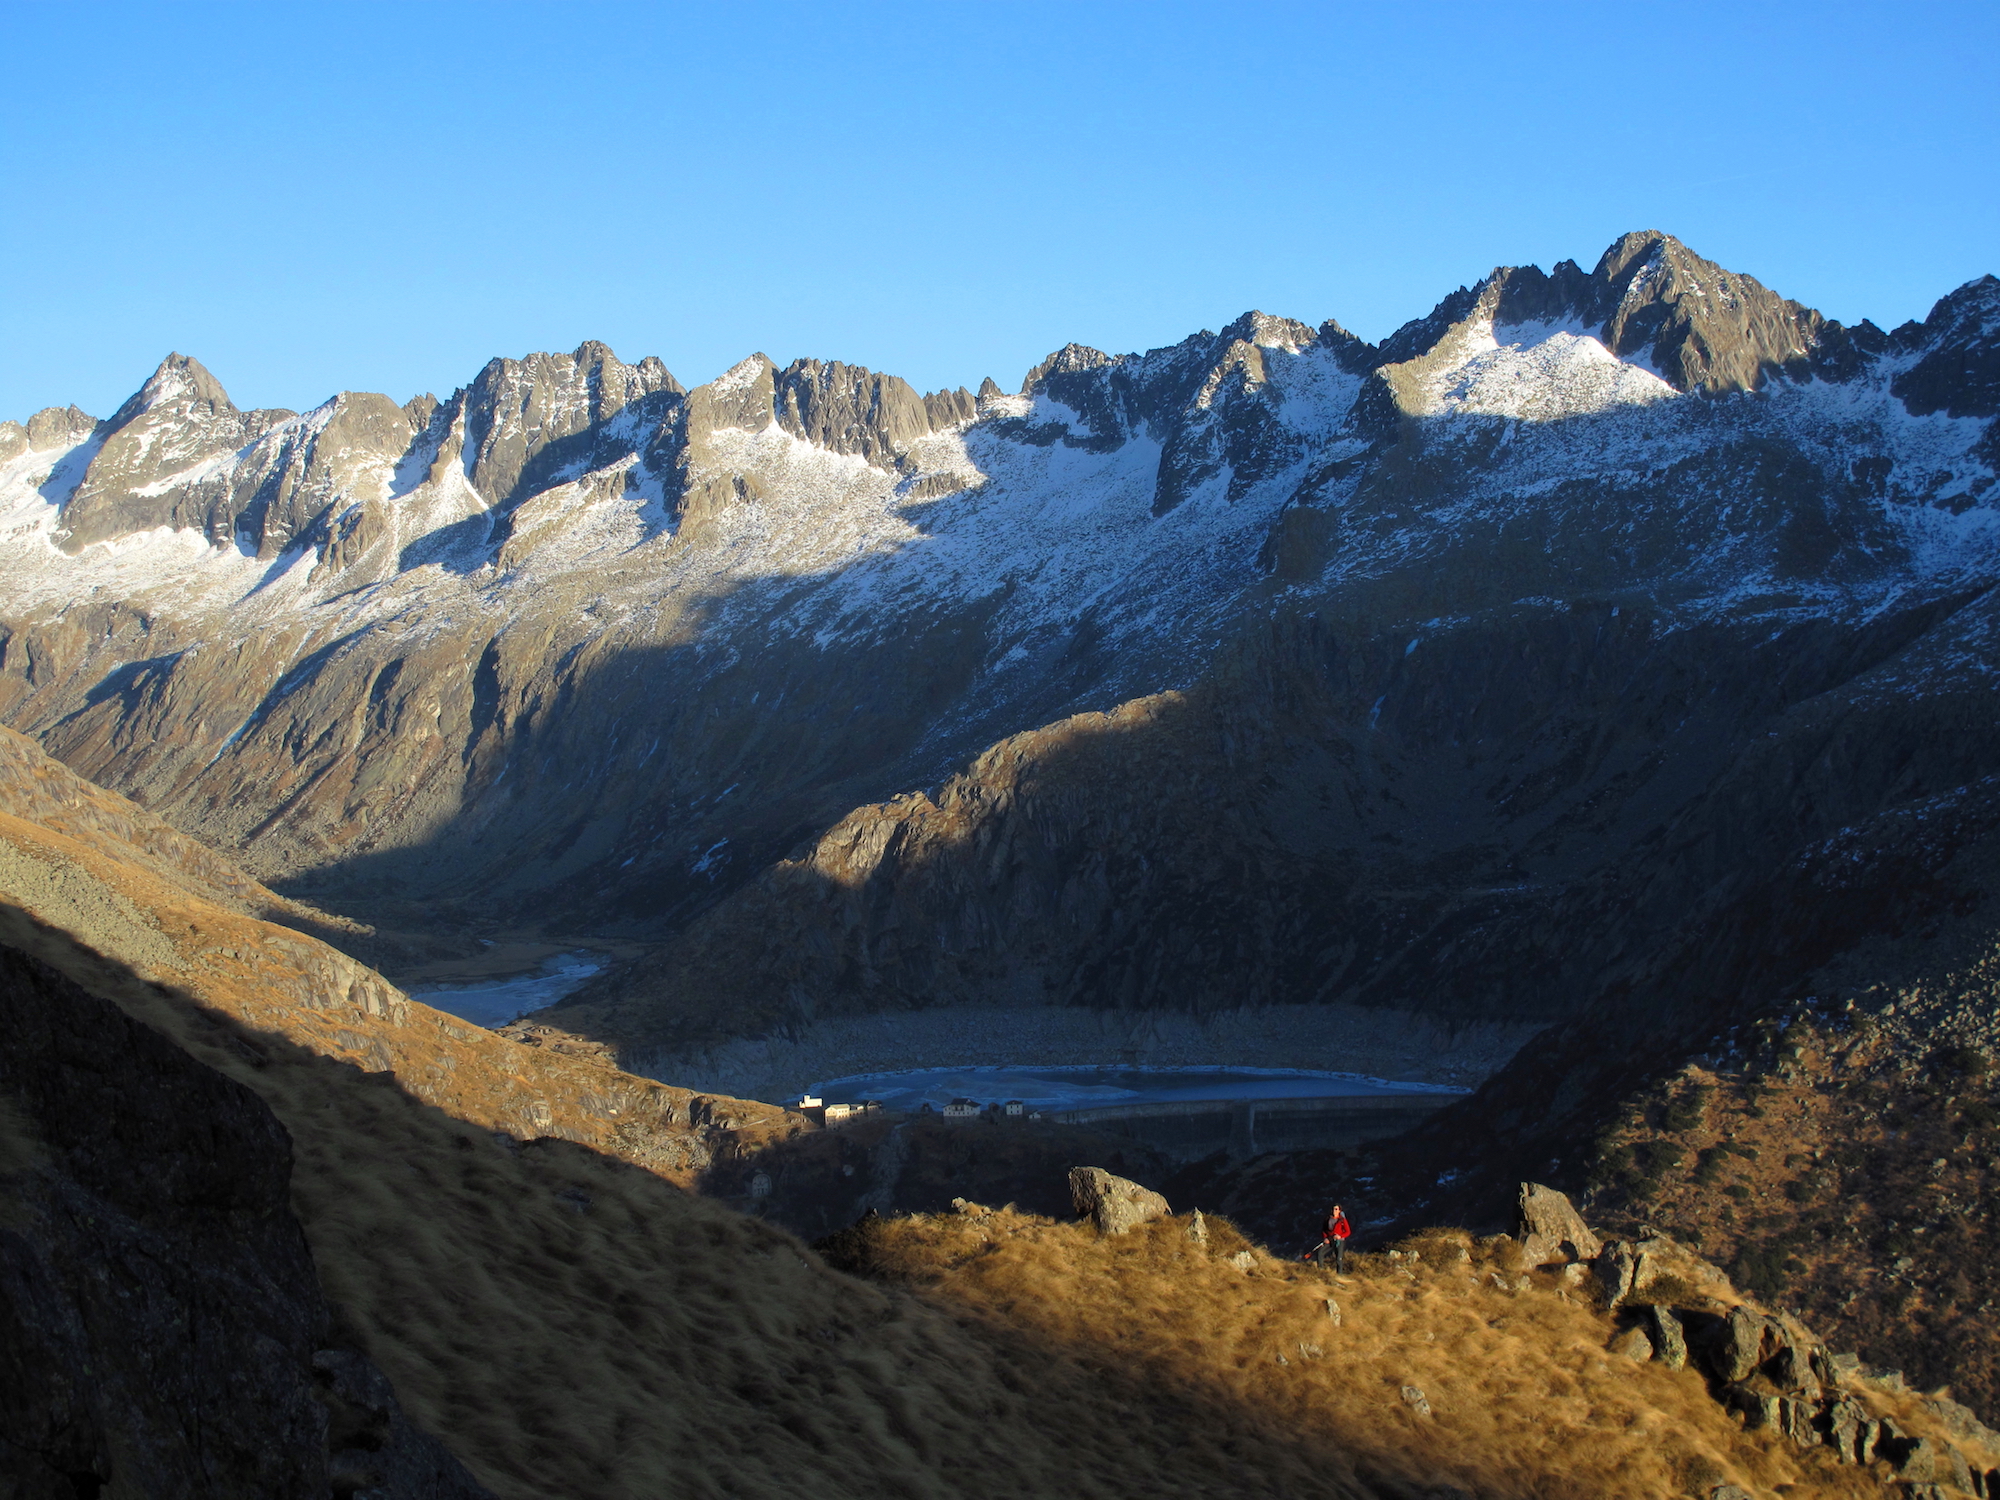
(1524, 1398)
(571, 1324)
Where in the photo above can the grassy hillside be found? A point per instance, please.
(508, 1232)
(1520, 1392)
(576, 1325)
(1855, 1182)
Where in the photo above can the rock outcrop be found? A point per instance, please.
(1550, 1228)
(1773, 1371)
(1114, 1204)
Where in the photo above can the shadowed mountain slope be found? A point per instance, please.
(165, 1332)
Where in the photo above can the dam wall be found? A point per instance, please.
(1189, 1130)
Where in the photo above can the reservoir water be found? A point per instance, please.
(495, 1002)
(1069, 1088)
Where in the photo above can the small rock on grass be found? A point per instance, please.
(1633, 1344)
(1416, 1400)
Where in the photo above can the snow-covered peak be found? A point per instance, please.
(741, 375)
(180, 383)
(1266, 332)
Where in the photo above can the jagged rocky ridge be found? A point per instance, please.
(1489, 669)
(1771, 1369)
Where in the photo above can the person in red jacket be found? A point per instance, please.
(1332, 1241)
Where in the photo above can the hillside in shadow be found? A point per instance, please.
(1571, 811)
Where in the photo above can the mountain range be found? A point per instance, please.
(1511, 668)
(1592, 684)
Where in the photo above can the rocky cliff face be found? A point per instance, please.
(1487, 671)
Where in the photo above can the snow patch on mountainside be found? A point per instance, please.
(1315, 393)
(1860, 428)
(1050, 532)
(1534, 372)
(34, 573)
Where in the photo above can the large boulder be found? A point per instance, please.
(1551, 1228)
(1669, 1340)
(1616, 1267)
(1747, 1342)
(1113, 1203)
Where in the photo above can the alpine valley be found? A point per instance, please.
(1591, 693)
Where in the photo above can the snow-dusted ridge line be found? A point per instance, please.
(1056, 497)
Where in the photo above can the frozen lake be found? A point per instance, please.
(495, 1002)
(1091, 1087)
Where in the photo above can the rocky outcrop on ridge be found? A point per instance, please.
(1114, 1204)
(1770, 1369)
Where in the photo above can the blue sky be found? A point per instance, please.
(383, 196)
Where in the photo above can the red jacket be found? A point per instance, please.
(1336, 1227)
